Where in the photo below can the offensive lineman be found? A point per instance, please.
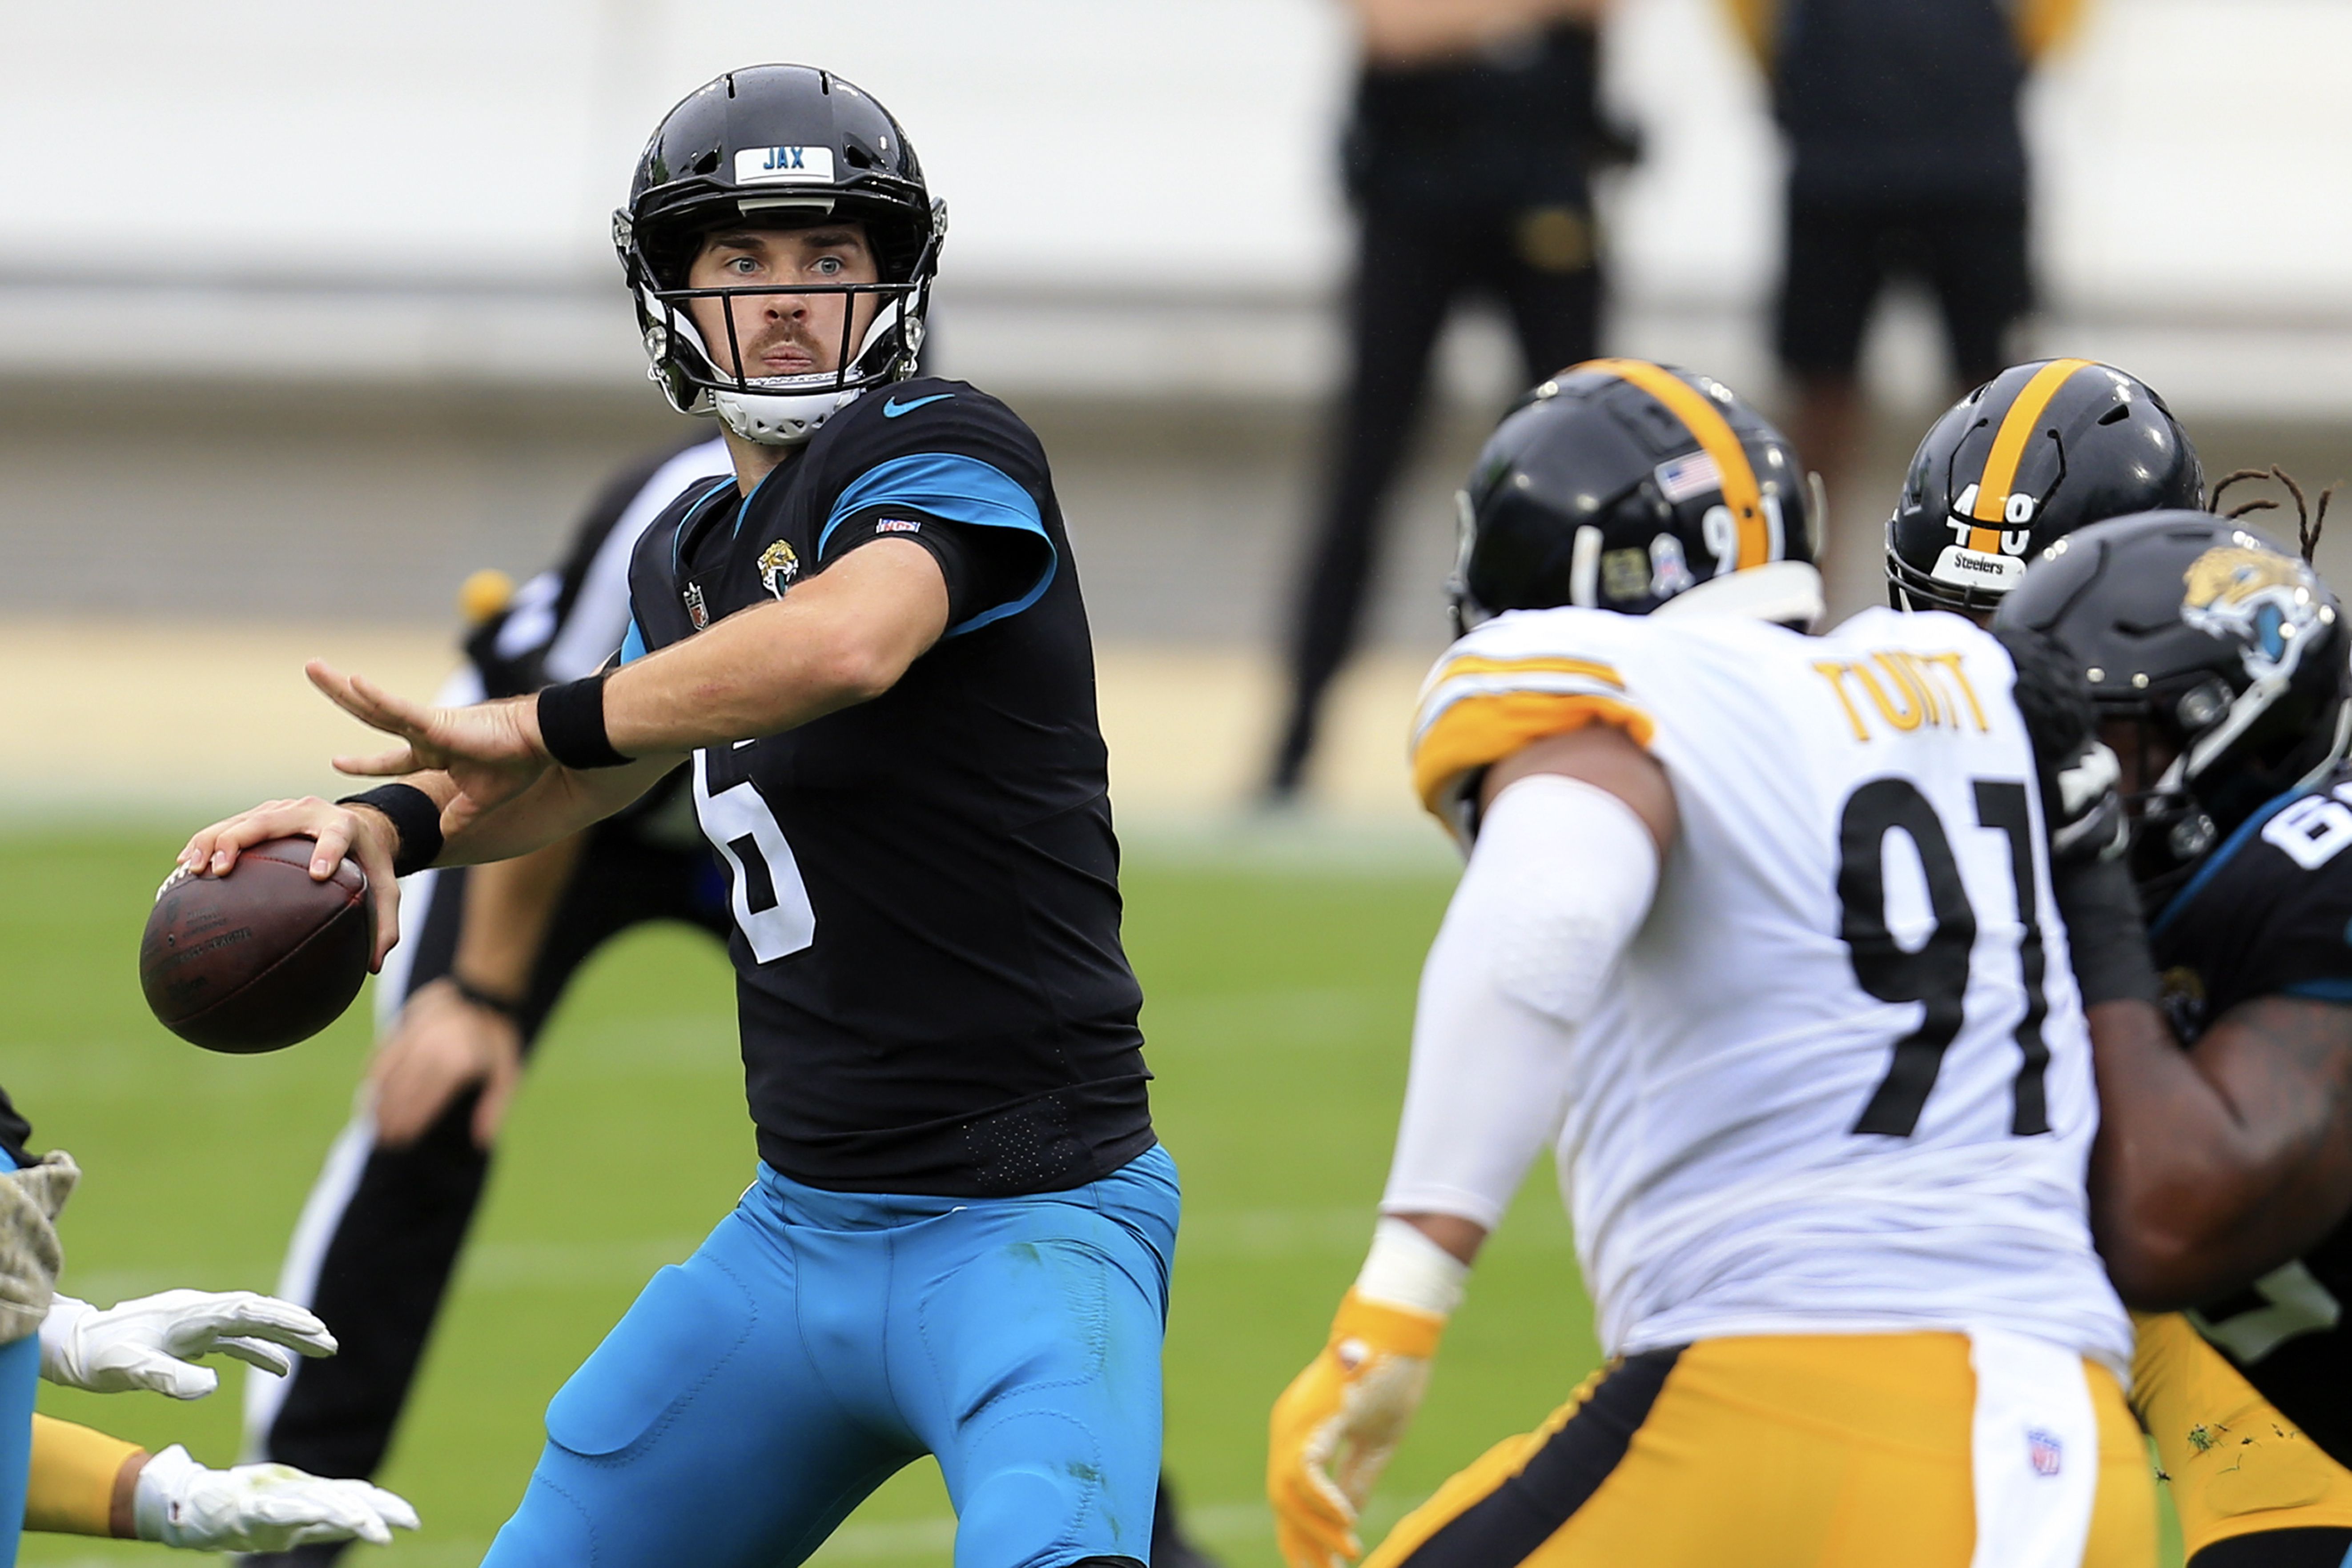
(1822, 1100)
(2035, 455)
(873, 646)
(2218, 665)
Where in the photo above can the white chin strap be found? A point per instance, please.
(1786, 591)
(780, 419)
(785, 411)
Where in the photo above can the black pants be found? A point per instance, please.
(1411, 268)
(1970, 253)
(383, 1227)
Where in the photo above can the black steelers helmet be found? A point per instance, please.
(2226, 652)
(2024, 460)
(1620, 484)
(787, 146)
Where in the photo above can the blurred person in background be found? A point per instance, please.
(1467, 159)
(1905, 159)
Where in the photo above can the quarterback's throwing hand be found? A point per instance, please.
(1337, 1424)
(153, 1343)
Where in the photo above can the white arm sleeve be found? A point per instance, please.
(1561, 878)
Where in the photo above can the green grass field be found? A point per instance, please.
(1280, 1001)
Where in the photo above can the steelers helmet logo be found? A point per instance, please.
(778, 566)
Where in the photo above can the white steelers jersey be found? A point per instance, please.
(1841, 1080)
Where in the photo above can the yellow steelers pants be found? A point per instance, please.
(2237, 1466)
(1800, 1452)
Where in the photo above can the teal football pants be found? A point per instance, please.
(818, 1342)
(20, 1373)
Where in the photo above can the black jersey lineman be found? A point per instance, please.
(933, 995)
(2270, 914)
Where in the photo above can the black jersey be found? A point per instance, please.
(933, 992)
(2271, 914)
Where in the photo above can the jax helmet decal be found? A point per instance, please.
(784, 145)
(2040, 450)
(1623, 485)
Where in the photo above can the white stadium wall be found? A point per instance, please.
(1140, 189)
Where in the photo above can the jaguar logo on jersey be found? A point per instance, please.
(2256, 596)
(778, 566)
(698, 610)
(1981, 556)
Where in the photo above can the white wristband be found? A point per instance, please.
(161, 1482)
(1406, 1269)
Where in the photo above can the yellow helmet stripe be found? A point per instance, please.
(2009, 449)
(1715, 438)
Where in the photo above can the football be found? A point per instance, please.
(259, 959)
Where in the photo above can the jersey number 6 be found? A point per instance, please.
(1935, 973)
(772, 904)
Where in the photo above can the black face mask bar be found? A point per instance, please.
(901, 339)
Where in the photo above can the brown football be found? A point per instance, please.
(260, 958)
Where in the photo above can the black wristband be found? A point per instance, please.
(572, 723)
(2105, 932)
(507, 1008)
(415, 824)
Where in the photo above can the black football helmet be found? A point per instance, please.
(2228, 653)
(1620, 484)
(786, 145)
(2027, 459)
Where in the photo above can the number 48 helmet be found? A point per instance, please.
(2027, 459)
(1621, 485)
(783, 146)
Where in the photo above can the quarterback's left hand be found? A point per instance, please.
(259, 1508)
(1337, 1424)
(150, 1342)
(493, 750)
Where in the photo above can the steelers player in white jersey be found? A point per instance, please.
(1760, 929)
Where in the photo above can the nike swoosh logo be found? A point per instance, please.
(894, 408)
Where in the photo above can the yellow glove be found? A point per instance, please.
(1337, 1424)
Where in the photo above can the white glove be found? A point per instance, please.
(258, 1508)
(150, 1342)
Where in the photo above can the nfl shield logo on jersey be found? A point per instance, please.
(2044, 1451)
(697, 610)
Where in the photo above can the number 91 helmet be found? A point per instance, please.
(2227, 655)
(2036, 453)
(1621, 485)
(783, 146)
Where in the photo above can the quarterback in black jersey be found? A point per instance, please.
(2218, 664)
(871, 644)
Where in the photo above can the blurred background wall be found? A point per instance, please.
(306, 311)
